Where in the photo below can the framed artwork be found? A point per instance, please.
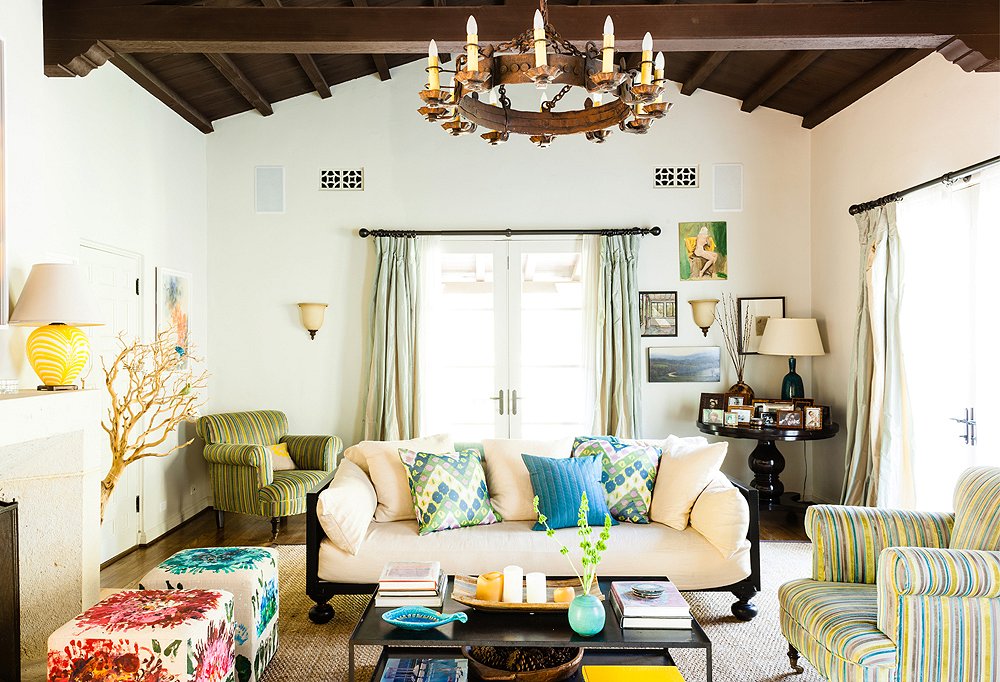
(732, 419)
(814, 417)
(790, 419)
(703, 251)
(759, 310)
(658, 313)
(712, 401)
(685, 364)
(173, 304)
(713, 416)
(744, 413)
(733, 399)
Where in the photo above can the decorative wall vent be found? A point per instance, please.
(344, 179)
(675, 176)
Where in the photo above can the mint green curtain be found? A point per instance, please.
(391, 406)
(617, 352)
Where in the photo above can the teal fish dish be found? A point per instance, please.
(420, 618)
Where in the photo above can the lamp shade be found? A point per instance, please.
(703, 312)
(312, 315)
(791, 336)
(56, 293)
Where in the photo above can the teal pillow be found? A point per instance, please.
(560, 483)
(448, 490)
(627, 476)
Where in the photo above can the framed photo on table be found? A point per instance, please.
(759, 309)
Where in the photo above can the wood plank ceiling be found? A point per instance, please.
(209, 59)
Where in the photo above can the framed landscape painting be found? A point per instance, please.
(658, 313)
(685, 364)
(760, 310)
(173, 304)
(703, 249)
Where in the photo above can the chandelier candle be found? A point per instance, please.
(433, 68)
(658, 65)
(540, 57)
(472, 44)
(608, 53)
(647, 58)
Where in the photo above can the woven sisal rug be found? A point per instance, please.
(742, 652)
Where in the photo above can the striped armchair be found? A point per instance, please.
(240, 464)
(900, 596)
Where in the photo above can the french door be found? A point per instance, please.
(503, 349)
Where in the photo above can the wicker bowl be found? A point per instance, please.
(556, 673)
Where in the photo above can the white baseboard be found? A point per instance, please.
(170, 522)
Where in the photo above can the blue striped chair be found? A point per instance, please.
(901, 596)
(240, 465)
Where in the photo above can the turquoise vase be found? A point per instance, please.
(791, 387)
(586, 615)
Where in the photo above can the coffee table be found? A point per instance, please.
(612, 646)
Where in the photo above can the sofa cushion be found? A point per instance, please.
(380, 460)
(448, 490)
(347, 506)
(721, 514)
(685, 470)
(280, 459)
(507, 478)
(977, 510)
(627, 476)
(560, 485)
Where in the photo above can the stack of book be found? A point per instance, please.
(666, 611)
(411, 583)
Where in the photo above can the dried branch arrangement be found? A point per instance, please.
(152, 391)
(736, 336)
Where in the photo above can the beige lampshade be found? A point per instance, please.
(312, 316)
(703, 311)
(56, 292)
(792, 336)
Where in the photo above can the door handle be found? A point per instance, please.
(513, 401)
(499, 397)
(970, 425)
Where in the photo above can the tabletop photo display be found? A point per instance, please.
(736, 411)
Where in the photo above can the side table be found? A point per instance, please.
(766, 461)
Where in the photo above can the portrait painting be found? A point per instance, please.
(703, 251)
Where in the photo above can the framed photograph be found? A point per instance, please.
(814, 417)
(173, 304)
(732, 419)
(712, 401)
(759, 310)
(802, 402)
(685, 364)
(771, 405)
(789, 419)
(658, 313)
(735, 399)
(703, 251)
(768, 418)
(744, 413)
(713, 416)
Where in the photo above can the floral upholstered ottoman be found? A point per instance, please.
(148, 636)
(251, 574)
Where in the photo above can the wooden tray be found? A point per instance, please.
(464, 592)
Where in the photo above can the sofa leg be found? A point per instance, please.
(742, 608)
(793, 658)
(321, 613)
(274, 528)
(220, 518)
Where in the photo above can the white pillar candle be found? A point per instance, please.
(513, 584)
(535, 587)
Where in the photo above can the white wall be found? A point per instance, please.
(419, 178)
(929, 120)
(99, 159)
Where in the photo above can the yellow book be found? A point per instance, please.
(631, 673)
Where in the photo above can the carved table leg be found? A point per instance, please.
(766, 463)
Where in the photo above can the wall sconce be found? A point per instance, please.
(312, 316)
(703, 311)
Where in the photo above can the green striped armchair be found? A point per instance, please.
(240, 464)
(901, 596)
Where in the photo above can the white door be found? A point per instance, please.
(115, 276)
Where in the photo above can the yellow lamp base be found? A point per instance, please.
(57, 353)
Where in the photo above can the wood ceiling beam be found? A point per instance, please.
(779, 78)
(892, 66)
(702, 73)
(132, 68)
(240, 82)
(913, 24)
(381, 66)
(307, 63)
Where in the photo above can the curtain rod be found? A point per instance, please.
(946, 178)
(365, 232)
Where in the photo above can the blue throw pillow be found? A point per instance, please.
(559, 485)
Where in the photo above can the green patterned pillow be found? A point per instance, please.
(448, 490)
(627, 476)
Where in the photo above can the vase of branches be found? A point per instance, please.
(736, 334)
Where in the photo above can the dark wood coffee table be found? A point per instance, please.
(612, 646)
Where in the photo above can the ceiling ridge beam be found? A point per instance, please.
(883, 72)
(381, 66)
(132, 68)
(779, 78)
(240, 82)
(703, 72)
(307, 63)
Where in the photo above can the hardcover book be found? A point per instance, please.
(410, 575)
(650, 623)
(426, 670)
(429, 598)
(670, 604)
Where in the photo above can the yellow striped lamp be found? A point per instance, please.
(57, 298)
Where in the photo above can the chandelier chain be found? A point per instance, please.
(550, 105)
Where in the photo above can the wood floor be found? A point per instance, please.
(200, 531)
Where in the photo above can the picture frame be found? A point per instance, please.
(761, 309)
(768, 419)
(684, 364)
(732, 419)
(713, 401)
(703, 251)
(658, 313)
(813, 419)
(713, 416)
(771, 405)
(173, 305)
(802, 402)
(733, 399)
(744, 414)
(789, 419)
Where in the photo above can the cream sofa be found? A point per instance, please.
(361, 517)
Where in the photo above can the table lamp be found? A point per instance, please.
(57, 298)
(791, 336)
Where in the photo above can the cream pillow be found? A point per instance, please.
(721, 515)
(280, 459)
(380, 460)
(346, 507)
(507, 478)
(685, 470)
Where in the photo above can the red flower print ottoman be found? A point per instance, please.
(148, 636)
(251, 574)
